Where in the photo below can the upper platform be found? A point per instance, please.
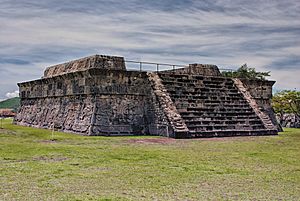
(95, 61)
(118, 63)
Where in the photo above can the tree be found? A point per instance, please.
(286, 102)
(245, 72)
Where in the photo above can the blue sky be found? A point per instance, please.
(37, 33)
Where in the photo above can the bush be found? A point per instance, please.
(245, 72)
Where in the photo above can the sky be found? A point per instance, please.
(264, 34)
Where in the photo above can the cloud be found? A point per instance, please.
(12, 94)
(290, 62)
(288, 79)
(38, 33)
(13, 61)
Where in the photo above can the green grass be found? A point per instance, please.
(32, 167)
(12, 103)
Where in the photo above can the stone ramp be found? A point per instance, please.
(167, 105)
(213, 106)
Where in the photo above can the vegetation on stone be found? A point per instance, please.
(246, 72)
(73, 167)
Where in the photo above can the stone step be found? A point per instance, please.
(228, 133)
(227, 127)
(196, 77)
(191, 93)
(199, 114)
(227, 119)
(220, 127)
(212, 109)
(198, 85)
(185, 98)
(212, 100)
(211, 104)
(223, 122)
(220, 105)
(216, 110)
(193, 80)
(218, 118)
(255, 127)
(205, 82)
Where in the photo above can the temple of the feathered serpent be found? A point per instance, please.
(96, 95)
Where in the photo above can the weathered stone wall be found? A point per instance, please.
(261, 92)
(288, 120)
(97, 96)
(179, 129)
(92, 81)
(128, 115)
(213, 106)
(197, 69)
(70, 114)
(93, 102)
(259, 109)
(96, 61)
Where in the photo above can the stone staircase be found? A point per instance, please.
(213, 106)
(180, 129)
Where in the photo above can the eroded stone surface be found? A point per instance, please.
(71, 114)
(97, 96)
(168, 106)
(258, 107)
(96, 61)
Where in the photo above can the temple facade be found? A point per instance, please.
(96, 95)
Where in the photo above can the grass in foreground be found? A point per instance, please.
(32, 167)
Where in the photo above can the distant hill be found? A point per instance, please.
(12, 103)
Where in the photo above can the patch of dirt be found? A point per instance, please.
(233, 138)
(153, 141)
(172, 140)
(218, 139)
(8, 132)
(49, 159)
(40, 158)
(48, 141)
(165, 140)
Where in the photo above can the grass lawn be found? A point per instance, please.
(73, 167)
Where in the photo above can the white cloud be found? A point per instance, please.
(286, 79)
(12, 94)
(223, 32)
